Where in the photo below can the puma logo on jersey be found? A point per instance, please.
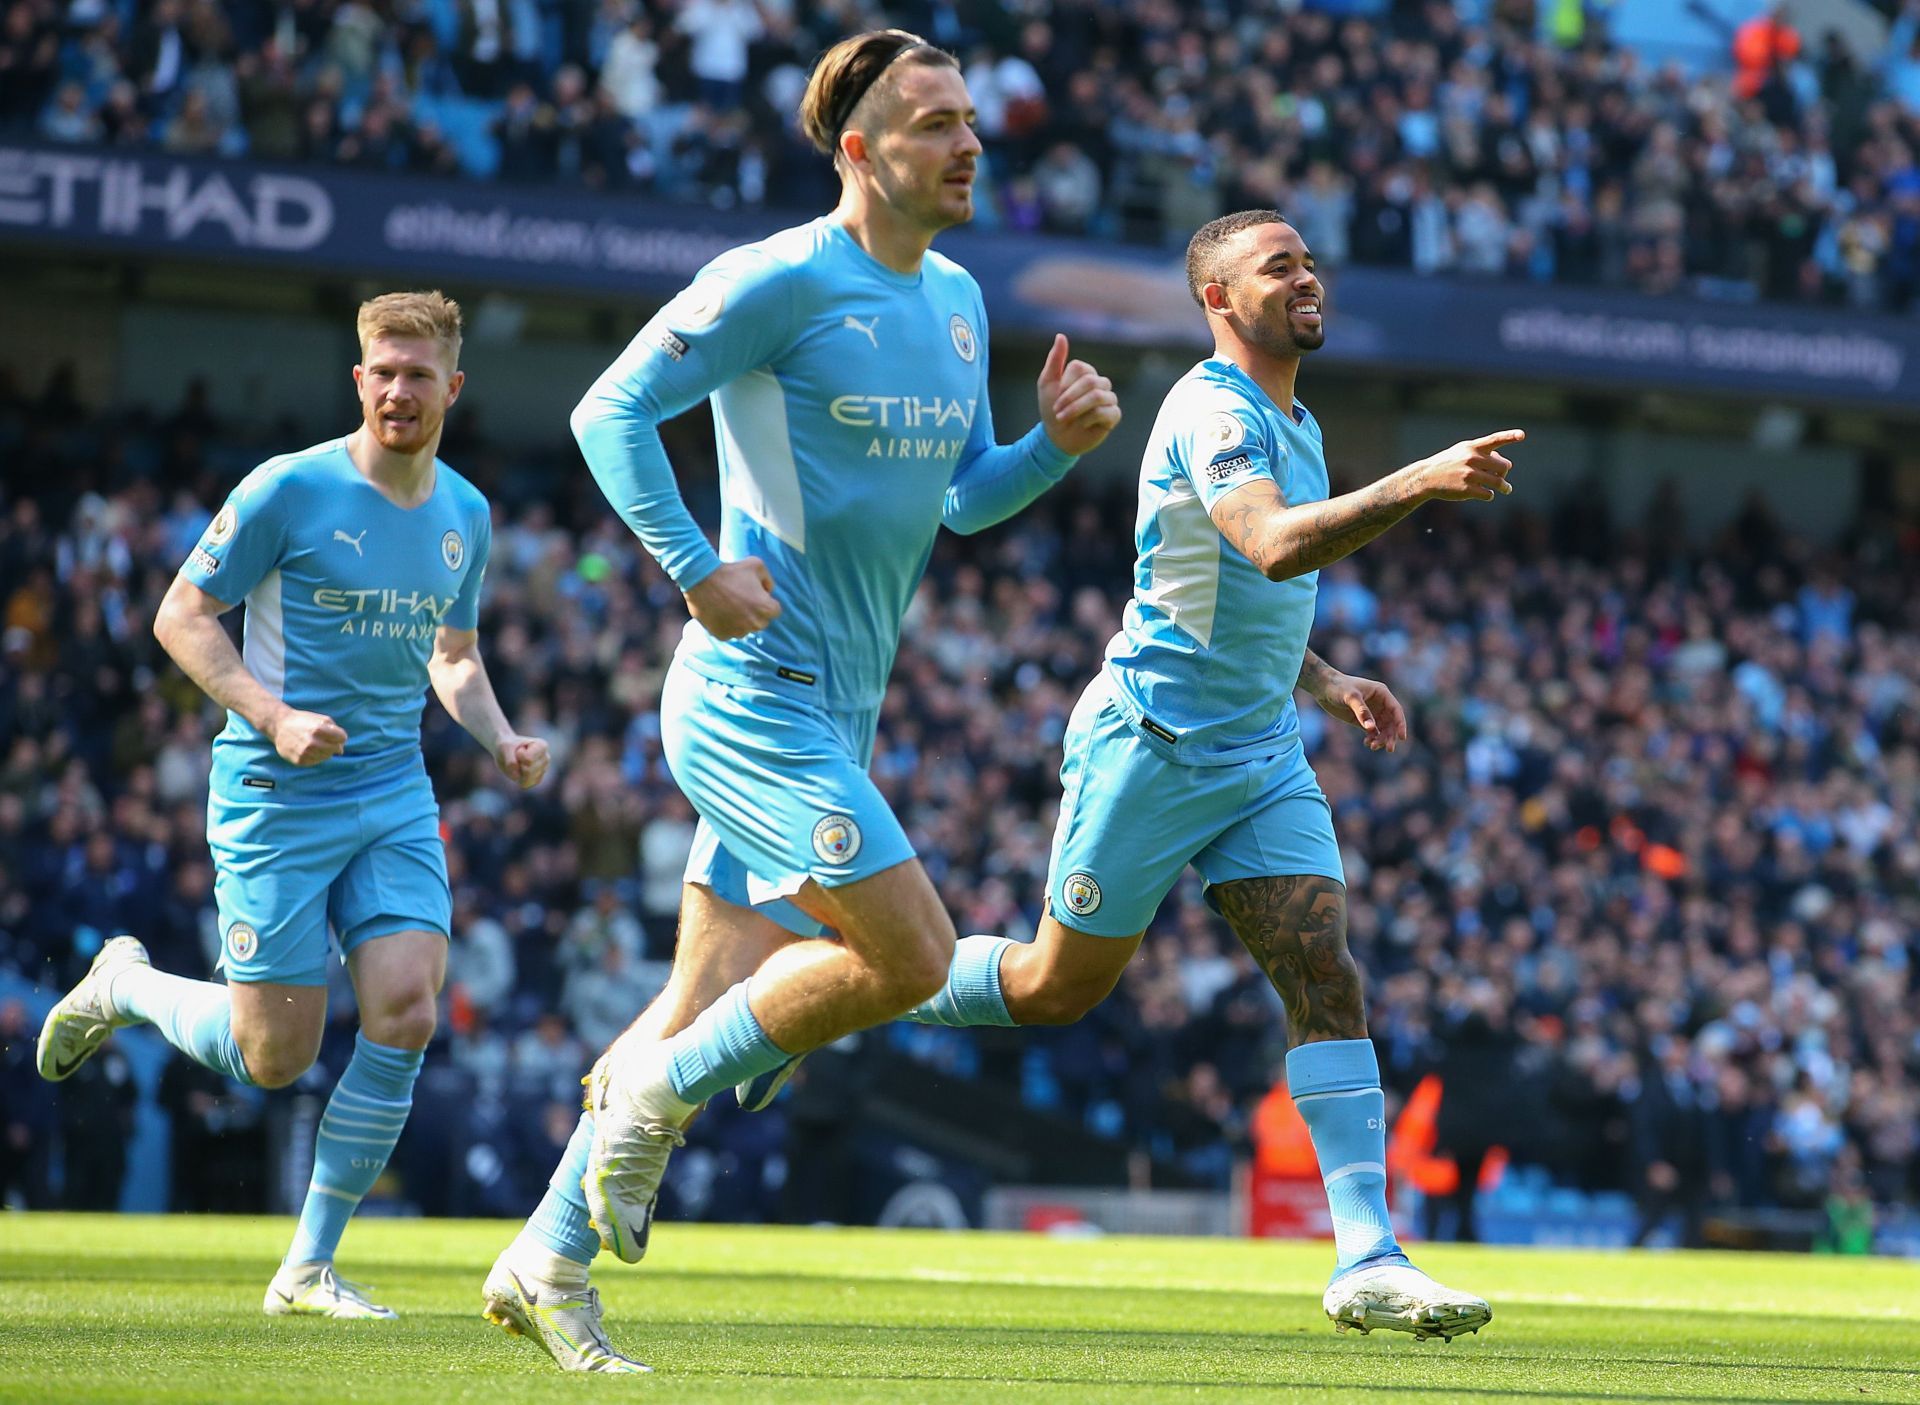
(353, 542)
(865, 329)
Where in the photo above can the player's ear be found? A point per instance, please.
(853, 147)
(1214, 296)
(454, 382)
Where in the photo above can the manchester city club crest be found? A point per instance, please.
(836, 839)
(242, 941)
(452, 550)
(1080, 893)
(963, 341)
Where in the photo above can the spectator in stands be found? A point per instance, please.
(26, 1111)
(1808, 1139)
(600, 1000)
(480, 962)
(526, 131)
(721, 32)
(1067, 185)
(665, 842)
(95, 1110)
(160, 55)
(71, 118)
(218, 1142)
(269, 91)
(627, 75)
(548, 1059)
(605, 925)
(1478, 1099)
(1670, 1114)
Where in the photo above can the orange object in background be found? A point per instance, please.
(1761, 45)
(1285, 1198)
(1049, 1219)
(1410, 1147)
(1281, 1142)
(1664, 861)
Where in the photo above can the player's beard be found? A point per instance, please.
(1278, 334)
(924, 200)
(407, 438)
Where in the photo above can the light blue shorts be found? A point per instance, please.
(782, 791)
(291, 863)
(1131, 820)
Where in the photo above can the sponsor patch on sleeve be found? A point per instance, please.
(671, 342)
(203, 560)
(1223, 469)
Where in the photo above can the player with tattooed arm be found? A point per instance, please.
(1187, 749)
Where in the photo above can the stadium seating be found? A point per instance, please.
(1617, 144)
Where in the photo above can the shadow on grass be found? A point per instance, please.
(1285, 1345)
(423, 1329)
(1280, 1382)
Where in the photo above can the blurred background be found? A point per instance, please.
(1640, 910)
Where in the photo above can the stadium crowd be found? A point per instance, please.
(1645, 894)
(1486, 137)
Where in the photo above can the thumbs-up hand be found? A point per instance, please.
(1077, 405)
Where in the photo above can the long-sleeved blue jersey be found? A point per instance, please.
(850, 409)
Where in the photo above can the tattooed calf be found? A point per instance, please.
(1296, 929)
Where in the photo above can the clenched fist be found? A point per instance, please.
(522, 760)
(735, 600)
(307, 738)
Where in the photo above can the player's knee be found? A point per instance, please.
(918, 970)
(271, 1066)
(404, 1022)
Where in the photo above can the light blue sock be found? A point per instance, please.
(363, 1119)
(1336, 1085)
(560, 1220)
(196, 1017)
(972, 993)
(724, 1047)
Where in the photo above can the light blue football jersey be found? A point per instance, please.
(1209, 652)
(345, 592)
(850, 412)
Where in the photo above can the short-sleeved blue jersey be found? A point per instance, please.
(851, 415)
(1210, 650)
(345, 592)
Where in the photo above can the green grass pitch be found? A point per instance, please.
(96, 1308)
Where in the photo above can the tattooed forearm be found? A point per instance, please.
(1316, 674)
(1296, 928)
(1291, 541)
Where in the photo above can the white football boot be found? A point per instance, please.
(564, 1321)
(76, 1027)
(1400, 1298)
(315, 1290)
(637, 1119)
